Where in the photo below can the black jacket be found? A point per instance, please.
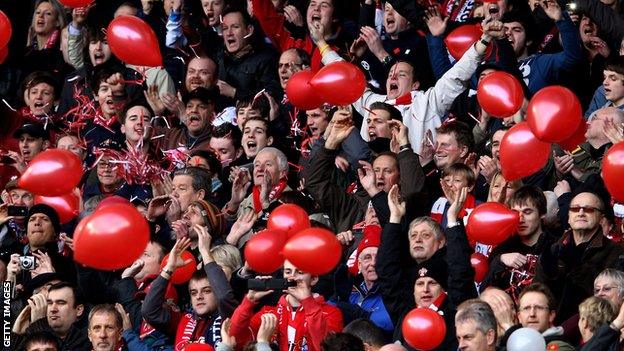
(498, 274)
(571, 278)
(397, 275)
(250, 73)
(76, 339)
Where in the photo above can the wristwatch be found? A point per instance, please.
(386, 61)
(452, 224)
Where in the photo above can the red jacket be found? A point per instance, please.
(300, 330)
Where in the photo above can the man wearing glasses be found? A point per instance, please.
(572, 263)
(536, 310)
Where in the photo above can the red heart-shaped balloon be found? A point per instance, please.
(577, 138)
(263, 251)
(554, 114)
(53, 172)
(491, 223)
(313, 250)
(613, 171)
(76, 3)
(67, 206)
(339, 83)
(480, 264)
(423, 329)
(300, 93)
(133, 41)
(461, 38)
(111, 238)
(500, 94)
(6, 30)
(288, 218)
(521, 153)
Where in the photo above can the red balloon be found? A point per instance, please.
(184, 273)
(111, 238)
(197, 347)
(263, 251)
(500, 94)
(111, 200)
(461, 39)
(133, 41)
(5, 30)
(613, 171)
(339, 83)
(521, 153)
(571, 143)
(313, 250)
(300, 93)
(53, 172)
(4, 53)
(554, 114)
(67, 206)
(76, 3)
(288, 218)
(491, 223)
(423, 329)
(479, 262)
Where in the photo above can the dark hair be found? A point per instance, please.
(461, 132)
(367, 331)
(38, 77)
(106, 308)
(542, 289)
(229, 131)
(201, 178)
(209, 156)
(259, 119)
(302, 55)
(394, 113)
(525, 19)
(235, 9)
(131, 104)
(78, 297)
(389, 154)
(261, 103)
(461, 169)
(415, 74)
(529, 195)
(615, 64)
(41, 337)
(341, 342)
(100, 74)
(199, 275)
(207, 96)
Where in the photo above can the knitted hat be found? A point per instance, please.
(371, 238)
(436, 269)
(212, 217)
(48, 211)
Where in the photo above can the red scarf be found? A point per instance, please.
(274, 194)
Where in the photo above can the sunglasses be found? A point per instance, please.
(586, 209)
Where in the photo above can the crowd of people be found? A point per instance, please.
(208, 144)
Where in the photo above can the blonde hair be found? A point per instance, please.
(228, 256)
(596, 311)
(60, 17)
